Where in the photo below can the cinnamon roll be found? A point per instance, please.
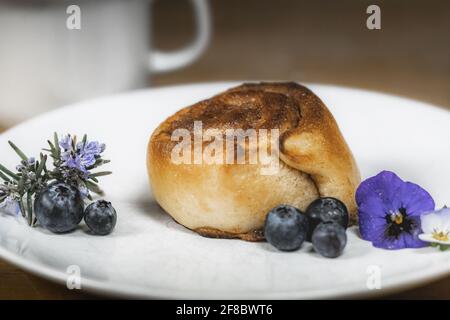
(286, 149)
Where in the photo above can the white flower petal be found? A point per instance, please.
(430, 222)
(429, 238)
(444, 215)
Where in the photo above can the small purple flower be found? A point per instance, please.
(390, 209)
(31, 161)
(91, 148)
(72, 160)
(26, 164)
(84, 156)
(9, 206)
(87, 160)
(66, 142)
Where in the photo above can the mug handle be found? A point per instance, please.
(160, 61)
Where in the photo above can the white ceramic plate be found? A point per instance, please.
(149, 255)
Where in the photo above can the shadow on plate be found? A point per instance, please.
(147, 203)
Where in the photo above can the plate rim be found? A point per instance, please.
(409, 281)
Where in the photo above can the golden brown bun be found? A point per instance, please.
(232, 200)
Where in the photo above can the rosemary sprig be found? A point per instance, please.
(33, 176)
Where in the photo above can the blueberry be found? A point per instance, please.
(59, 208)
(329, 239)
(100, 217)
(326, 209)
(286, 228)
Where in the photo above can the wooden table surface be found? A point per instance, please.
(309, 41)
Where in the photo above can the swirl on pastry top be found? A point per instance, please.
(236, 109)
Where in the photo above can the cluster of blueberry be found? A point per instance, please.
(60, 208)
(324, 224)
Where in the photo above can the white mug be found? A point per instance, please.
(45, 63)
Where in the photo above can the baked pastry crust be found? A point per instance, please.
(232, 200)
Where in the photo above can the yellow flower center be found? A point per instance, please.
(440, 235)
(397, 218)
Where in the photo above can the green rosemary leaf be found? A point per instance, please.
(4, 177)
(93, 187)
(29, 208)
(84, 139)
(22, 207)
(94, 179)
(21, 185)
(90, 184)
(98, 163)
(41, 165)
(56, 145)
(100, 174)
(74, 142)
(9, 173)
(53, 152)
(34, 222)
(52, 147)
(18, 151)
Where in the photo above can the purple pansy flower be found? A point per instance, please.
(390, 209)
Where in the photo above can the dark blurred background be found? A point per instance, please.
(318, 41)
(308, 41)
